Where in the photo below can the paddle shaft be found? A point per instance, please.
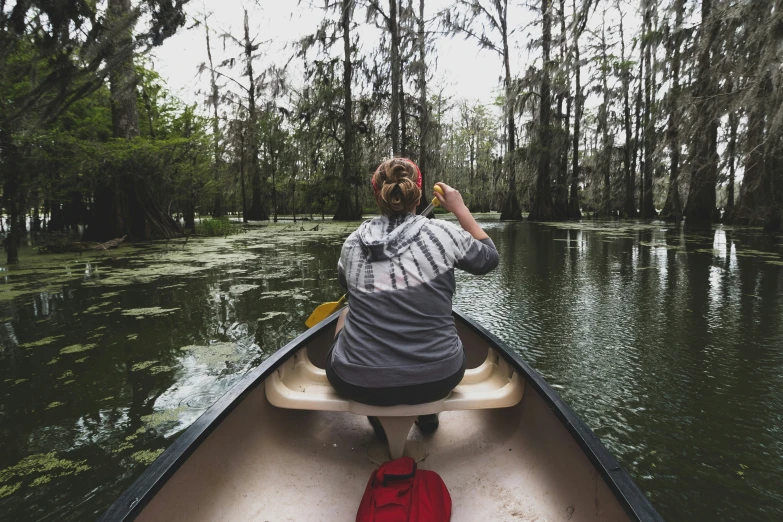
(434, 203)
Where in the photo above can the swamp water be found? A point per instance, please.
(669, 345)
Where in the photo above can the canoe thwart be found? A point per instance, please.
(300, 385)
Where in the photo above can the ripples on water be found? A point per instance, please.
(668, 345)
(106, 358)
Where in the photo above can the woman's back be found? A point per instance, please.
(398, 343)
(400, 277)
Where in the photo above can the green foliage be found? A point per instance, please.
(213, 227)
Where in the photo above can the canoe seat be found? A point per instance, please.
(300, 385)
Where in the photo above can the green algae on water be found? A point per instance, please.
(9, 293)
(128, 443)
(142, 365)
(160, 418)
(46, 465)
(214, 355)
(177, 285)
(662, 245)
(132, 337)
(122, 447)
(241, 289)
(148, 312)
(9, 489)
(136, 433)
(41, 342)
(160, 369)
(76, 348)
(270, 315)
(54, 404)
(96, 307)
(147, 457)
(294, 294)
(43, 479)
(54, 361)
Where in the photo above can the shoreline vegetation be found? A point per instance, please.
(49, 271)
(619, 111)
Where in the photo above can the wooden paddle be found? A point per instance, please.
(326, 309)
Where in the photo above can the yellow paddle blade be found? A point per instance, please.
(323, 311)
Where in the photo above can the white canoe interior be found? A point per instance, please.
(266, 463)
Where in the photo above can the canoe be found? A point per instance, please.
(245, 459)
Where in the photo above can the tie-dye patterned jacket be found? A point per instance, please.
(399, 273)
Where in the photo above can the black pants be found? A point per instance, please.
(413, 394)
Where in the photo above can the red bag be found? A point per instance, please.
(397, 492)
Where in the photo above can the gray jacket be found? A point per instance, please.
(399, 273)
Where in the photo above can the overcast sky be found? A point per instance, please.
(462, 68)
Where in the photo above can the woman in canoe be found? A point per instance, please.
(396, 343)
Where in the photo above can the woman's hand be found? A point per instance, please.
(451, 199)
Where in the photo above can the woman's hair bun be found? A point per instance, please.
(395, 180)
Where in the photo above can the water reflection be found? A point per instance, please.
(668, 344)
(109, 362)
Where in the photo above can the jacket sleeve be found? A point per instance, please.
(469, 254)
(479, 257)
(343, 265)
(341, 274)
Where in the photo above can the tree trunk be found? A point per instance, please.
(242, 174)
(673, 207)
(36, 214)
(773, 222)
(346, 210)
(403, 118)
(12, 195)
(257, 211)
(217, 208)
(395, 77)
(424, 113)
(126, 205)
(562, 207)
(731, 150)
(574, 212)
(704, 174)
(755, 197)
(274, 190)
(189, 215)
(628, 150)
(511, 209)
(189, 206)
(607, 142)
(560, 194)
(542, 208)
(638, 146)
(472, 158)
(647, 205)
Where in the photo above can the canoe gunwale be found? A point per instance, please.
(133, 500)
